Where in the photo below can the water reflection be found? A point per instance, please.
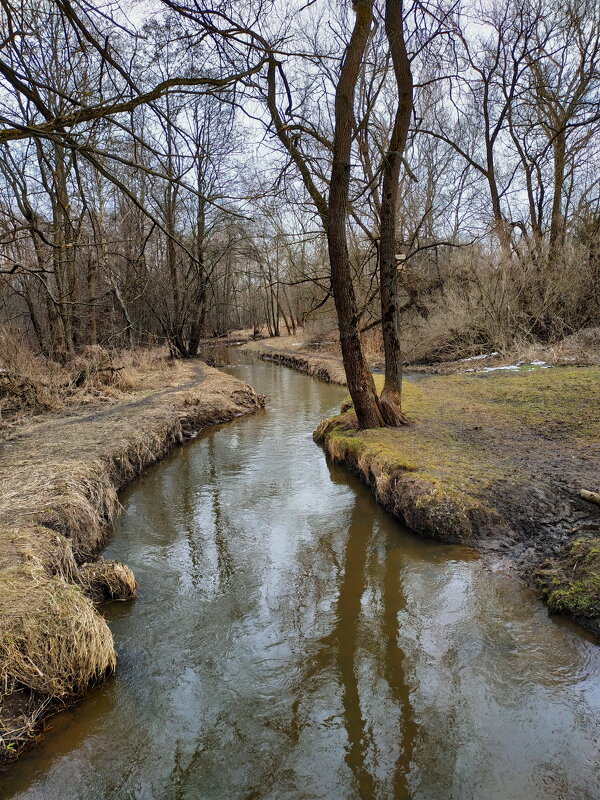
(379, 765)
(292, 642)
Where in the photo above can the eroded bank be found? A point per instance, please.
(496, 461)
(289, 352)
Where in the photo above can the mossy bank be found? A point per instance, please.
(496, 461)
(60, 475)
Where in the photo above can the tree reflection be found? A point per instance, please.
(352, 630)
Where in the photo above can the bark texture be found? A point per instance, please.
(391, 397)
(359, 377)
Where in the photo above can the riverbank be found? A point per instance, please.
(495, 457)
(60, 475)
(290, 351)
(496, 461)
(319, 358)
(288, 635)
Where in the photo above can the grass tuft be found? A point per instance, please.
(52, 640)
(104, 580)
(571, 583)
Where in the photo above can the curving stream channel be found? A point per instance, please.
(292, 641)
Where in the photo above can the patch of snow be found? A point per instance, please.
(493, 369)
(512, 367)
(477, 358)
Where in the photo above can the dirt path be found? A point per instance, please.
(102, 411)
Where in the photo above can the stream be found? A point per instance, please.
(292, 641)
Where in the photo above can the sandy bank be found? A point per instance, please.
(60, 475)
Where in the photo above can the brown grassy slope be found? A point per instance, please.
(290, 351)
(497, 461)
(579, 349)
(59, 475)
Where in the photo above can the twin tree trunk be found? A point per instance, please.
(371, 411)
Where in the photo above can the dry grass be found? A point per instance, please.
(52, 640)
(27, 384)
(60, 473)
(582, 347)
(77, 501)
(38, 547)
(104, 580)
(445, 341)
(471, 302)
(293, 352)
(475, 302)
(31, 384)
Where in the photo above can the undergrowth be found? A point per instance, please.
(31, 384)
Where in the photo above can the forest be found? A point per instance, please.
(169, 173)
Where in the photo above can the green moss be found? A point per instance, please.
(408, 479)
(468, 434)
(447, 411)
(571, 584)
(563, 400)
(389, 457)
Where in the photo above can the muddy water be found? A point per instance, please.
(292, 641)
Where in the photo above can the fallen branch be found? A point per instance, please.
(593, 497)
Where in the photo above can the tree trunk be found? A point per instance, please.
(359, 377)
(391, 397)
(557, 223)
(62, 255)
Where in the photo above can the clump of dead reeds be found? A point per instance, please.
(27, 383)
(52, 640)
(104, 580)
(95, 369)
(31, 383)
